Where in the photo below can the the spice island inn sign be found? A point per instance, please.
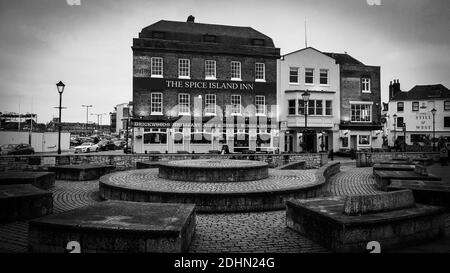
(164, 84)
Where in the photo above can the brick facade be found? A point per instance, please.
(172, 41)
(352, 75)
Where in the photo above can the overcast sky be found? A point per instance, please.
(88, 47)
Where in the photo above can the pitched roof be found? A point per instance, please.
(343, 58)
(200, 29)
(421, 92)
(302, 49)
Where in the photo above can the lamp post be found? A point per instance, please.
(433, 111)
(395, 130)
(87, 115)
(404, 136)
(305, 97)
(60, 87)
(99, 119)
(322, 135)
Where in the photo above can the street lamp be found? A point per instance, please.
(60, 87)
(99, 119)
(305, 97)
(433, 111)
(87, 115)
(404, 136)
(395, 130)
(322, 145)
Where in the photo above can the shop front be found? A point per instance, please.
(202, 137)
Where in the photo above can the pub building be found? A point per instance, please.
(198, 87)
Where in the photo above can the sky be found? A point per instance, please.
(88, 46)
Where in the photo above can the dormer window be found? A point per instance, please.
(209, 38)
(158, 35)
(258, 42)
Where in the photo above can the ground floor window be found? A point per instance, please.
(364, 139)
(344, 142)
(446, 121)
(155, 136)
(263, 138)
(199, 137)
(418, 137)
(241, 138)
(178, 136)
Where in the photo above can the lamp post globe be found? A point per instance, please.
(60, 86)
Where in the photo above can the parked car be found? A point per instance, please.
(75, 141)
(16, 149)
(87, 147)
(106, 145)
(120, 144)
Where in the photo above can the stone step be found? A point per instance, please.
(427, 192)
(383, 177)
(42, 180)
(24, 201)
(116, 226)
(81, 172)
(323, 220)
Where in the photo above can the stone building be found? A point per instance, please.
(413, 109)
(197, 87)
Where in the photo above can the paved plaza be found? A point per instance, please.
(223, 232)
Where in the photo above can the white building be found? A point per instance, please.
(308, 70)
(44, 142)
(122, 115)
(414, 108)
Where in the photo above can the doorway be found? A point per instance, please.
(353, 142)
(289, 143)
(310, 142)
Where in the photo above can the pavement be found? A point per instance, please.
(231, 232)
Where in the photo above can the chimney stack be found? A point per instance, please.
(391, 92)
(190, 19)
(394, 88)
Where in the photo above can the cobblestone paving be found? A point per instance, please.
(232, 232)
(66, 196)
(352, 181)
(148, 179)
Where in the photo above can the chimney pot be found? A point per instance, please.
(190, 19)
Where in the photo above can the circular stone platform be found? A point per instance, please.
(266, 194)
(211, 170)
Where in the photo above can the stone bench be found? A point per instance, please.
(81, 172)
(347, 224)
(299, 165)
(427, 192)
(394, 167)
(116, 226)
(383, 177)
(42, 180)
(395, 162)
(423, 161)
(24, 201)
(149, 164)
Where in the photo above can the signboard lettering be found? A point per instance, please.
(208, 85)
